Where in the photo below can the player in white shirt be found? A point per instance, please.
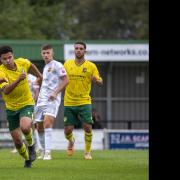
(54, 82)
(34, 87)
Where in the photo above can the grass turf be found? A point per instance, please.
(106, 165)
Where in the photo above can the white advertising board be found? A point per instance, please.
(111, 52)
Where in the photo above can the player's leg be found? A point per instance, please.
(19, 144)
(88, 140)
(36, 135)
(68, 131)
(69, 123)
(26, 115)
(38, 120)
(48, 125)
(40, 130)
(50, 113)
(36, 138)
(86, 118)
(15, 131)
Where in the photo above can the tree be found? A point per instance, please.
(16, 20)
(109, 19)
(74, 19)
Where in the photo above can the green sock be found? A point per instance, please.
(23, 152)
(29, 138)
(88, 141)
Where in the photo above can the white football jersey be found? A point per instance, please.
(51, 79)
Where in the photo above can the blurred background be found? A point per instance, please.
(74, 19)
(116, 33)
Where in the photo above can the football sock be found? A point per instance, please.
(23, 152)
(48, 137)
(36, 138)
(29, 138)
(69, 137)
(88, 141)
(42, 139)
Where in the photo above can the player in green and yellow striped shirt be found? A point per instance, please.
(77, 100)
(18, 100)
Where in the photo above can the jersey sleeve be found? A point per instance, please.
(25, 63)
(61, 70)
(5, 82)
(95, 72)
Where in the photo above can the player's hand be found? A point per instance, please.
(2, 80)
(22, 76)
(93, 79)
(98, 81)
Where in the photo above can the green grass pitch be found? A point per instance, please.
(106, 165)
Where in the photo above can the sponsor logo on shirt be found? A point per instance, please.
(84, 70)
(50, 69)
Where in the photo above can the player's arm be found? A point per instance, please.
(2, 80)
(34, 70)
(61, 86)
(96, 78)
(7, 88)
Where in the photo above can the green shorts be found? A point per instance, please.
(14, 117)
(74, 115)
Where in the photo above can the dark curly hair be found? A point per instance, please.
(5, 49)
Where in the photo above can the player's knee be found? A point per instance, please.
(68, 130)
(47, 125)
(87, 127)
(25, 130)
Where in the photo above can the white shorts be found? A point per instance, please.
(50, 109)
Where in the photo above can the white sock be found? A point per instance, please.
(42, 139)
(36, 137)
(48, 138)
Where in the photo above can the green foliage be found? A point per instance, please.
(46, 20)
(74, 19)
(106, 165)
(111, 19)
(16, 19)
